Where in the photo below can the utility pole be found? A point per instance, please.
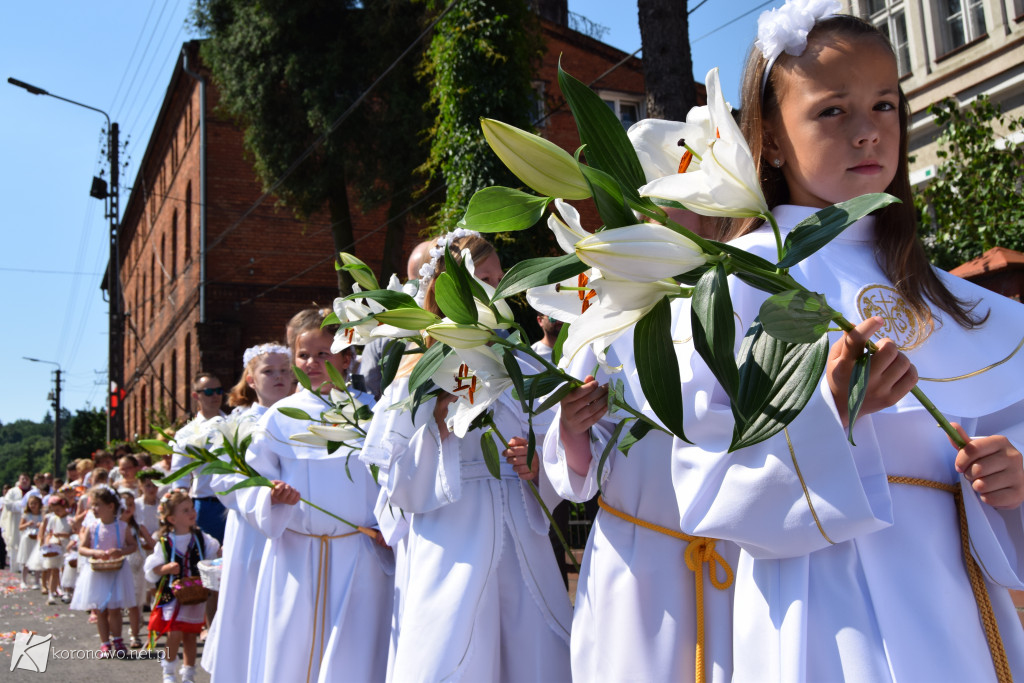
(54, 396)
(115, 351)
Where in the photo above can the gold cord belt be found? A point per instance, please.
(988, 617)
(699, 550)
(320, 600)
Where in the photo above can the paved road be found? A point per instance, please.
(72, 633)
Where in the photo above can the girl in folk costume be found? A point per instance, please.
(31, 517)
(175, 558)
(145, 544)
(54, 534)
(324, 590)
(888, 559)
(652, 603)
(482, 597)
(105, 579)
(266, 378)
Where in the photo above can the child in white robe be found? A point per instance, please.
(852, 564)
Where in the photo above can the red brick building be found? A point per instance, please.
(204, 274)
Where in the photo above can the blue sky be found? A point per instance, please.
(117, 55)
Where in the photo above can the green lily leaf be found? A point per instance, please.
(814, 232)
(490, 450)
(539, 385)
(714, 329)
(360, 272)
(554, 397)
(637, 431)
(454, 302)
(776, 379)
(330, 319)
(536, 272)
(337, 379)
(219, 467)
(503, 209)
(295, 413)
(612, 441)
(394, 350)
(607, 146)
(745, 266)
(858, 390)
(156, 446)
(428, 364)
(183, 472)
(531, 442)
(251, 481)
(387, 298)
(515, 373)
(796, 316)
(658, 368)
(556, 350)
(303, 378)
(608, 198)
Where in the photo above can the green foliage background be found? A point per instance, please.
(974, 202)
(27, 446)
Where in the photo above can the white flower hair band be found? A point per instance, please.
(262, 349)
(111, 491)
(429, 270)
(785, 29)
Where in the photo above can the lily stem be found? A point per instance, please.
(369, 532)
(540, 501)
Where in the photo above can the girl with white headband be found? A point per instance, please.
(888, 559)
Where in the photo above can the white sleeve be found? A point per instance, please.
(271, 520)
(155, 559)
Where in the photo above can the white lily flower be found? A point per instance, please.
(459, 336)
(566, 300)
(310, 439)
(726, 183)
(336, 433)
(350, 311)
(645, 252)
(539, 163)
(666, 148)
(485, 315)
(569, 230)
(477, 377)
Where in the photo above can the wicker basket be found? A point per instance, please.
(73, 562)
(112, 565)
(209, 571)
(50, 549)
(190, 590)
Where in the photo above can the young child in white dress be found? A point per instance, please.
(54, 534)
(105, 579)
(31, 517)
(145, 543)
(181, 546)
(884, 556)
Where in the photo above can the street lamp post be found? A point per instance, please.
(55, 397)
(115, 369)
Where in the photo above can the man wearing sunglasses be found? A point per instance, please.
(208, 393)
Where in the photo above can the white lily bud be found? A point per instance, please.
(408, 318)
(459, 336)
(363, 275)
(646, 252)
(540, 164)
(334, 433)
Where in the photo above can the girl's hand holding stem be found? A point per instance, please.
(284, 494)
(582, 408)
(516, 454)
(994, 467)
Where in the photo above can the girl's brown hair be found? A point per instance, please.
(105, 495)
(131, 520)
(170, 501)
(242, 394)
(479, 249)
(308, 320)
(901, 255)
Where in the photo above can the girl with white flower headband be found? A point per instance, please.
(502, 613)
(888, 559)
(323, 597)
(267, 377)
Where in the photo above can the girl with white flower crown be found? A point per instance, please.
(266, 378)
(888, 559)
(323, 594)
(481, 596)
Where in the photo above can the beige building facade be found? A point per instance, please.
(951, 48)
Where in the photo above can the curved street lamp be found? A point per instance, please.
(55, 397)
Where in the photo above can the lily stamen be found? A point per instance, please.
(688, 156)
(470, 388)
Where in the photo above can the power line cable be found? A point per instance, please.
(142, 59)
(135, 49)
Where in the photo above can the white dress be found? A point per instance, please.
(27, 554)
(56, 532)
(870, 584)
(104, 589)
(483, 599)
(352, 643)
(9, 520)
(636, 612)
(226, 650)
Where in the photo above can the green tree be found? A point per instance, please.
(973, 203)
(85, 433)
(287, 70)
(25, 446)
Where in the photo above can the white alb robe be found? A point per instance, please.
(359, 587)
(483, 599)
(870, 584)
(635, 615)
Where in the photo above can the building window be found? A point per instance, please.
(962, 22)
(142, 309)
(174, 244)
(539, 105)
(186, 372)
(163, 267)
(889, 17)
(1018, 9)
(628, 110)
(172, 414)
(188, 222)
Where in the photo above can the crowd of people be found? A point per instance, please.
(827, 552)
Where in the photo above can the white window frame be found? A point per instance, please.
(971, 31)
(886, 19)
(615, 100)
